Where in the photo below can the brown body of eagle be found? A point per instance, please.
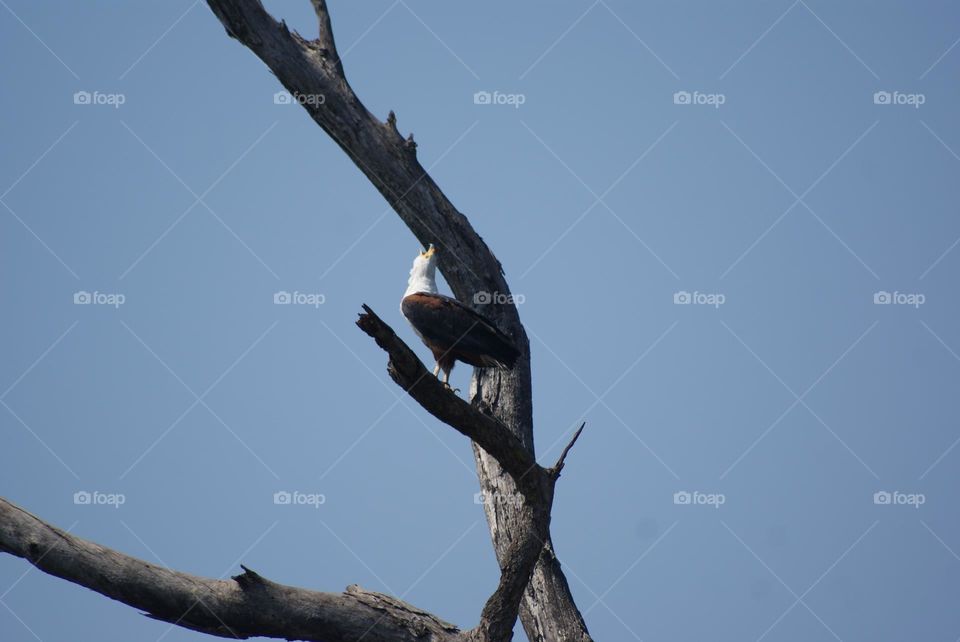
(454, 332)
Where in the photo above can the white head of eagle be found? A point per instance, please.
(423, 273)
(451, 330)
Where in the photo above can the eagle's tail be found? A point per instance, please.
(501, 354)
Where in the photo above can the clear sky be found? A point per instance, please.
(775, 201)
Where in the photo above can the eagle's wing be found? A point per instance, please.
(449, 325)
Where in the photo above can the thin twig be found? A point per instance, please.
(557, 467)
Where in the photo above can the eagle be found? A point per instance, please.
(451, 330)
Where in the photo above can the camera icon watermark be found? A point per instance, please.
(699, 98)
(98, 98)
(315, 299)
(115, 299)
(499, 98)
(296, 98)
(96, 498)
(914, 299)
(715, 299)
(696, 498)
(897, 498)
(503, 499)
(486, 298)
(296, 498)
(899, 98)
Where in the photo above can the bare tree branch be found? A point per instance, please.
(406, 369)
(500, 612)
(325, 37)
(557, 467)
(247, 605)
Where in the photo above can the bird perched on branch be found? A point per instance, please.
(451, 330)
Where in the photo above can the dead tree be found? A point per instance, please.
(498, 420)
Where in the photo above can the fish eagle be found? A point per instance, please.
(451, 330)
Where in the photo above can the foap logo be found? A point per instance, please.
(896, 498)
(98, 98)
(296, 498)
(683, 297)
(299, 298)
(698, 98)
(898, 98)
(483, 298)
(499, 98)
(96, 498)
(498, 499)
(914, 299)
(296, 98)
(82, 297)
(696, 498)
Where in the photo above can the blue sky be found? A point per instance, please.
(734, 229)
